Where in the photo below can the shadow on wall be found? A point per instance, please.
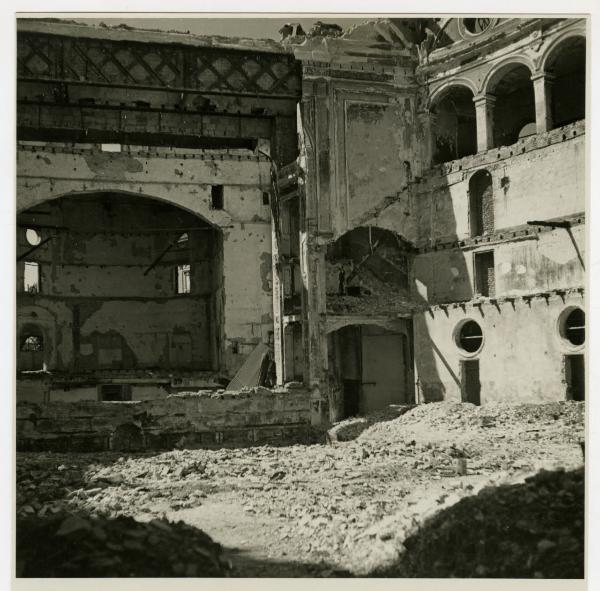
(439, 277)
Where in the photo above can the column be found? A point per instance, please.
(278, 335)
(542, 89)
(484, 117)
(312, 269)
(428, 122)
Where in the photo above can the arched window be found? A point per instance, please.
(566, 67)
(481, 203)
(514, 107)
(455, 129)
(31, 348)
(32, 236)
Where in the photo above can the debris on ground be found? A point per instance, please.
(529, 530)
(341, 504)
(350, 428)
(77, 545)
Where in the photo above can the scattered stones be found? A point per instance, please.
(397, 472)
(477, 536)
(74, 545)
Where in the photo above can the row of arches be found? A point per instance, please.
(511, 102)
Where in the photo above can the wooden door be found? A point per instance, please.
(383, 371)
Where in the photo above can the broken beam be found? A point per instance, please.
(33, 248)
(550, 224)
(161, 255)
(356, 269)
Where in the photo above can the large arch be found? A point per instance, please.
(565, 68)
(215, 218)
(514, 112)
(134, 283)
(455, 124)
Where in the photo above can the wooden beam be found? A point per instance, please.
(33, 249)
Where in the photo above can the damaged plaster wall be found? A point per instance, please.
(530, 180)
(360, 110)
(521, 360)
(544, 261)
(46, 171)
(538, 271)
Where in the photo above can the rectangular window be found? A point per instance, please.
(216, 197)
(183, 278)
(485, 284)
(31, 277)
(115, 392)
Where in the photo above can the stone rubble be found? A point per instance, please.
(74, 545)
(346, 503)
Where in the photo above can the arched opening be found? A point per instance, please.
(514, 106)
(566, 65)
(31, 348)
(134, 283)
(481, 203)
(368, 266)
(455, 126)
(370, 368)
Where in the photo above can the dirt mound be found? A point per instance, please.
(534, 529)
(76, 545)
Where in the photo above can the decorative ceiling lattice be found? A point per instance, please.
(153, 65)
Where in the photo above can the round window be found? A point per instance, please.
(470, 337)
(32, 236)
(574, 327)
(571, 328)
(475, 26)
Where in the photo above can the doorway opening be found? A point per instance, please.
(371, 368)
(471, 385)
(575, 377)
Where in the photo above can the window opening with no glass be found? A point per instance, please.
(183, 278)
(470, 337)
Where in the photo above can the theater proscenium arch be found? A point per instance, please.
(135, 284)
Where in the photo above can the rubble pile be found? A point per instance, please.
(76, 545)
(534, 529)
(345, 503)
(351, 428)
(439, 418)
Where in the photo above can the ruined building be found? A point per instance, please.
(396, 211)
